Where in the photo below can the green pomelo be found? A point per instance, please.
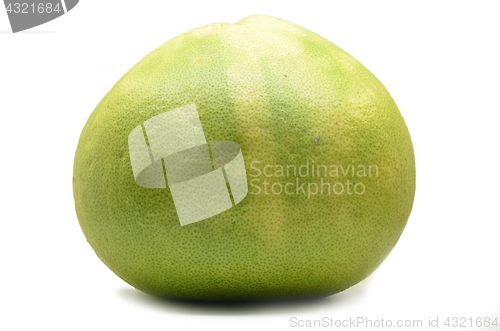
(289, 98)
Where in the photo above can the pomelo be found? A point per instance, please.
(328, 158)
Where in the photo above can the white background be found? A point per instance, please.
(439, 60)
